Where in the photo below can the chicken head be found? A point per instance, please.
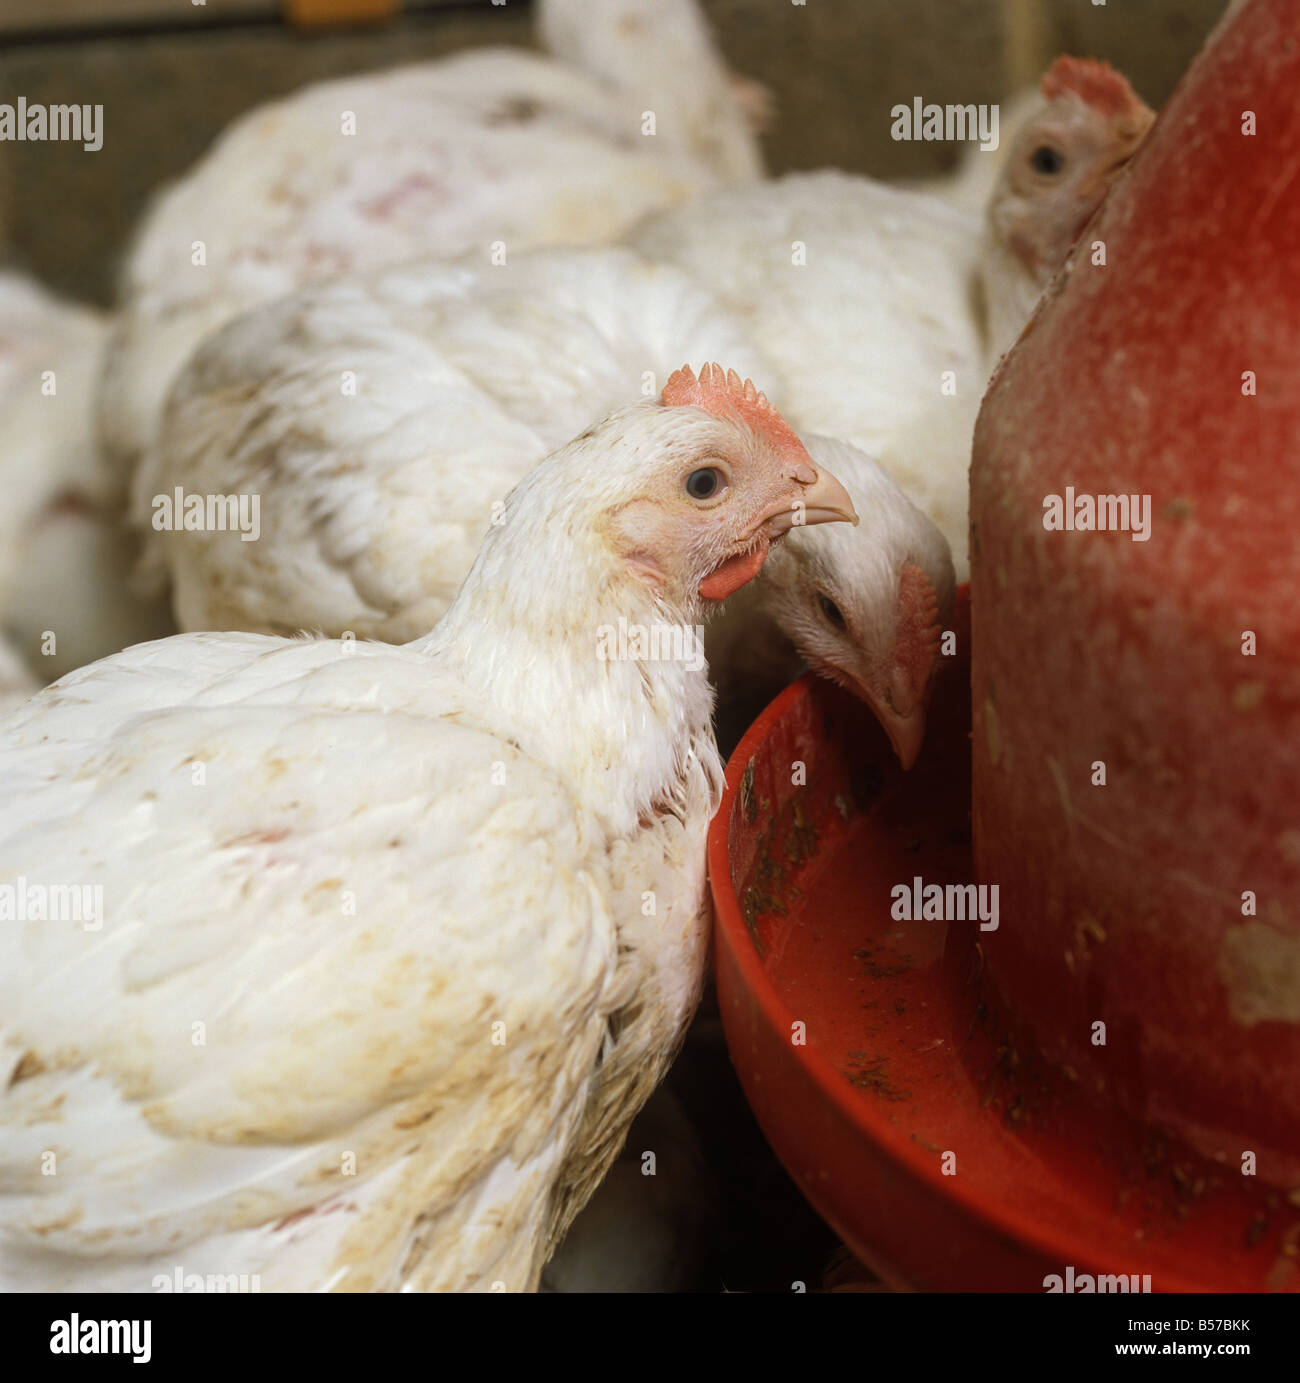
(1061, 165)
(730, 479)
(867, 609)
(1064, 160)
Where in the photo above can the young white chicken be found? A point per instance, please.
(379, 420)
(884, 310)
(392, 941)
(490, 151)
(1060, 166)
(65, 555)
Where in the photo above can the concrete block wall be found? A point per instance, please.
(170, 75)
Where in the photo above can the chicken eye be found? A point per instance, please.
(1047, 160)
(831, 611)
(704, 483)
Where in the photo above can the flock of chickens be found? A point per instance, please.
(404, 918)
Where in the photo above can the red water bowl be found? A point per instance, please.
(885, 1072)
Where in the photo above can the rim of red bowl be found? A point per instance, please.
(893, 1142)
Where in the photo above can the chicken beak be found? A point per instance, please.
(906, 732)
(818, 498)
(814, 496)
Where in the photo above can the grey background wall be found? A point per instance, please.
(170, 74)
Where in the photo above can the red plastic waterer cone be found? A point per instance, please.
(1136, 790)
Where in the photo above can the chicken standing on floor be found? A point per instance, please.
(380, 418)
(884, 310)
(391, 942)
(65, 554)
(492, 151)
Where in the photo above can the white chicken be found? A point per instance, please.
(884, 310)
(490, 151)
(1058, 171)
(378, 949)
(379, 420)
(65, 555)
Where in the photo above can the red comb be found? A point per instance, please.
(724, 394)
(1094, 82)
